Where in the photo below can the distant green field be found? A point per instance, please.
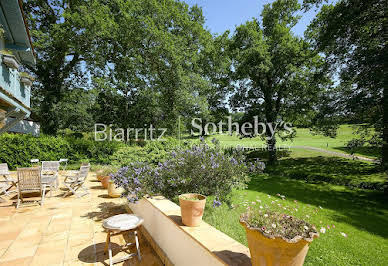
(305, 138)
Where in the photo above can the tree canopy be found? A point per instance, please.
(352, 35)
(277, 75)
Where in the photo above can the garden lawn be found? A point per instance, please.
(305, 138)
(361, 214)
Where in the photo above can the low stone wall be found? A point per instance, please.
(178, 244)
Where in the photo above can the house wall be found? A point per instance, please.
(25, 127)
(12, 90)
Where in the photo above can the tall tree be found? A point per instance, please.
(60, 49)
(353, 36)
(277, 76)
(158, 47)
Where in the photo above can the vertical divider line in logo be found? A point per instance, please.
(179, 130)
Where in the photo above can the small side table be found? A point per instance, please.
(118, 225)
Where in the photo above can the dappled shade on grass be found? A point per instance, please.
(368, 151)
(334, 170)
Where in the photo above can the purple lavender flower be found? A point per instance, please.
(216, 203)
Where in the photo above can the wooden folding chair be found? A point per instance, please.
(75, 182)
(7, 181)
(29, 180)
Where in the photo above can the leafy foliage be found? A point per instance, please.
(18, 150)
(352, 35)
(152, 153)
(200, 169)
(277, 75)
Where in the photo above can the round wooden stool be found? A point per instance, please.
(118, 225)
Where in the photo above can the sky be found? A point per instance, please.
(222, 15)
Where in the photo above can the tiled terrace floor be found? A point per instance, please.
(65, 231)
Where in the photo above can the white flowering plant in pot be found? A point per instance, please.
(280, 233)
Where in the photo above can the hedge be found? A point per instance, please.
(18, 150)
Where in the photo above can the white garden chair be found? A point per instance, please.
(49, 173)
(6, 183)
(34, 162)
(63, 163)
(77, 181)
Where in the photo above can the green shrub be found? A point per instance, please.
(152, 152)
(18, 150)
(198, 169)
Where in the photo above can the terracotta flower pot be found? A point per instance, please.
(275, 251)
(99, 175)
(113, 191)
(105, 181)
(192, 210)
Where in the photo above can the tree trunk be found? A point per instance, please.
(271, 146)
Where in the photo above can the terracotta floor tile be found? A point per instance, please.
(59, 236)
(2, 251)
(19, 262)
(80, 239)
(14, 253)
(84, 253)
(65, 231)
(4, 244)
(46, 255)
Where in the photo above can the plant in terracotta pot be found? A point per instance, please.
(274, 237)
(103, 171)
(192, 208)
(113, 190)
(105, 175)
(105, 181)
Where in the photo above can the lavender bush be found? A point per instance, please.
(200, 169)
(138, 179)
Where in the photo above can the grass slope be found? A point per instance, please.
(305, 138)
(361, 214)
